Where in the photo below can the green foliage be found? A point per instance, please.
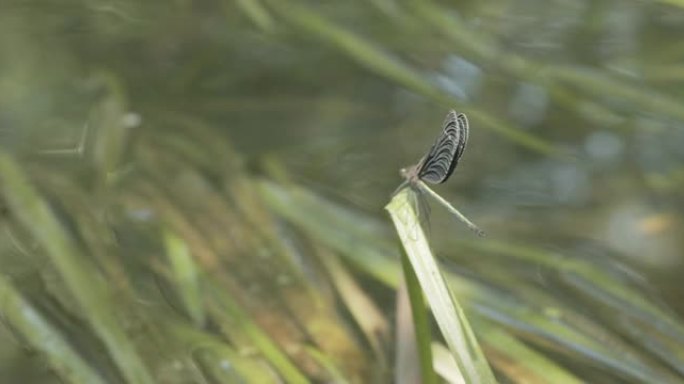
(139, 244)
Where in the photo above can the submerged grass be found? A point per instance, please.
(547, 321)
(44, 336)
(234, 305)
(395, 70)
(85, 283)
(159, 256)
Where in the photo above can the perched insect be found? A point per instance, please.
(439, 163)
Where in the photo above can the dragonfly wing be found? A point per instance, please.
(440, 162)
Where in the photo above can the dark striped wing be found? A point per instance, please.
(439, 163)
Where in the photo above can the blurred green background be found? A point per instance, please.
(194, 191)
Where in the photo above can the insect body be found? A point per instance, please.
(439, 163)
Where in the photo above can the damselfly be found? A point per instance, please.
(439, 163)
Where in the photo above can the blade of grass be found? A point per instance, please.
(360, 239)
(394, 69)
(590, 280)
(360, 306)
(226, 311)
(185, 276)
(215, 355)
(306, 316)
(546, 327)
(519, 362)
(421, 322)
(557, 79)
(255, 11)
(324, 221)
(406, 367)
(445, 365)
(83, 280)
(326, 362)
(596, 82)
(447, 312)
(44, 337)
(110, 130)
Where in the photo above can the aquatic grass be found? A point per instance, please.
(363, 242)
(327, 363)
(544, 320)
(445, 365)
(229, 314)
(217, 359)
(592, 281)
(541, 321)
(185, 276)
(232, 318)
(361, 306)
(676, 3)
(409, 366)
(394, 69)
(43, 336)
(91, 227)
(445, 308)
(84, 282)
(595, 82)
(202, 211)
(109, 129)
(558, 328)
(520, 362)
(666, 73)
(168, 221)
(137, 203)
(557, 79)
(256, 12)
(421, 322)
